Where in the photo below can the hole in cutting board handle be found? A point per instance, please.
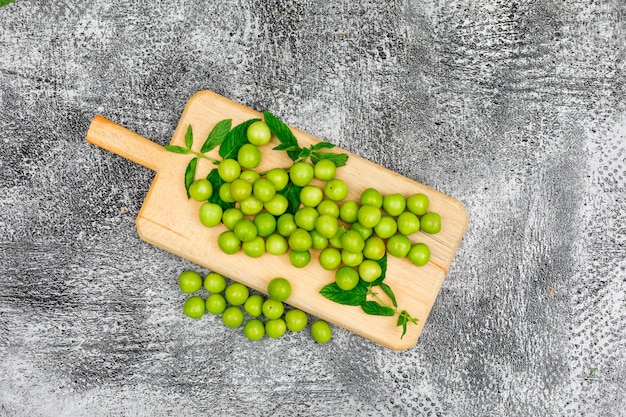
(126, 143)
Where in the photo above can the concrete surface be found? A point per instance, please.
(515, 108)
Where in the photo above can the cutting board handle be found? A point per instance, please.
(126, 143)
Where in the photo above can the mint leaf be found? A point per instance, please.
(402, 321)
(216, 181)
(286, 147)
(217, 135)
(284, 135)
(235, 139)
(5, 2)
(189, 137)
(387, 290)
(375, 309)
(304, 153)
(177, 149)
(339, 159)
(353, 297)
(190, 174)
(292, 194)
(322, 145)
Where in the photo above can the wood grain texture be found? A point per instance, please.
(170, 221)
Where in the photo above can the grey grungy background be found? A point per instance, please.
(516, 108)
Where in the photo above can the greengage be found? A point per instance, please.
(214, 282)
(201, 190)
(346, 278)
(394, 204)
(254, 247)
(254, 329)
(296, 320)
(372, 197)
(236, 293)
(194, 307)
(321, 332)
(254, 305)
(279, 289)
(240, 189)
(398, 245)
(301, 173)
(273, 309)
(300, 259)
(336, 189)
(275, 328)
(276, 244)
(228, 242)
(408, 223)
(259, 133)
(279, 177)
(189, 281)
(210, 214)
(232, 317)
(330, 258)
(249, 156)
(325, 170)
(215, 304)
(369, 215)
(265, 224)
(418, 204)
(430, 223)
(419, 254)
(229, 170)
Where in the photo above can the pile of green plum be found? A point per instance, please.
(259, 315)
(304, 207)
(350, 235)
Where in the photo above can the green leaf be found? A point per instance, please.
(375, 309)
(217, 135)
(304, 153)
(402, 321)
(284, 135)
(177, 149)
(339, 159)
(387, 290)
(235, 139)
(189, 137)
(322, 145)
(5, 2)
(190, 174)
(216, 181)
(292, 194)
(353, 297)
(285, 147)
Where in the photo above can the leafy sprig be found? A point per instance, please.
(231, 139)
(366, 296)
(190, 174)
(5, 2)
(289, 144)
(217, 135)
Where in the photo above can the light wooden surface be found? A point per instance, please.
(170, 221)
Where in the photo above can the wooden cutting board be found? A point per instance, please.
(170, 221)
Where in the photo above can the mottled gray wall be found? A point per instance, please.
(515, 108)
